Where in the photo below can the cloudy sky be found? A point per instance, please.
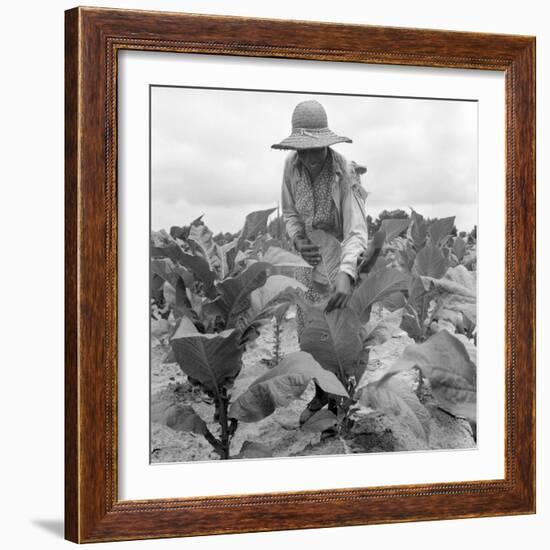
(211, 155)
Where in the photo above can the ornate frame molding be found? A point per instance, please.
(93, 38)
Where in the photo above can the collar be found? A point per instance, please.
(339, 164)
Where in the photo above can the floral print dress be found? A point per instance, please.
(313, 200)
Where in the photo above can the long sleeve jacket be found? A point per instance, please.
(349, 200)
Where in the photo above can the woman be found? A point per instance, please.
(321, 190)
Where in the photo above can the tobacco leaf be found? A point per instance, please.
(233, 300)
(378, 332)
(281, 385)
(444, 359)
(393, 227)
(378, 285)
(419, 230)
(335, 340)
(439, 230)
(459, 248)
(253, 449)
(430, 262)
(395, 398)
(181, 418)
(196, 264)
(327, 269)
(322, 420)
(212, 359)
(255, 224)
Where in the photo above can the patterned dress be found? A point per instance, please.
(313, 200)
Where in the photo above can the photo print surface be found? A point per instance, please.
(313, 274)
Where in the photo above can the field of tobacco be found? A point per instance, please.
(230, 378)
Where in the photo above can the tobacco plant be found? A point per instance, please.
(217, 309)
(338, 340)
(212, 299)
(438, 311)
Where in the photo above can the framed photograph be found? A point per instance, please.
(300, 275)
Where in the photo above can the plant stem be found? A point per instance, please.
(214, 442)
(277, 346)
(223, 403)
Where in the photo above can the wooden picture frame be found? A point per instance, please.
(93, 39)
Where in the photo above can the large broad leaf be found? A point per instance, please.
(334, 340)
(241, 257)
(183, 232)
(277, 256)
(177, 280)
(440, 230)
(220, 258)
(202, 242)
(394, 227)
(378, 332)
(454, 393)
(411, 323)
(416, 315)
(395, 300)
(187, 303)
(201, 270)
(430, 262)
(170, 250)
(260, 245)
(284, 262)
(178, 298)
(272, 293)
(395, 398)
(457, 280)
(327, 269)
(271, 301)
(196, 264)
(419, 230)
(418, 290)
(459, 248)
(160, 238)
(160, 328)
(233, 301)
(447, 364)
(457, 295)
(380, 264)
(253, 449)
(181, 418)
(377, 286)
(163, 268)
(170, 272)
(212, 359)
(256, 224)
(369, 259)
(322, 420)
(228, 253)
(157, 284)
(406, 256)
(281, 385)
(470, 347)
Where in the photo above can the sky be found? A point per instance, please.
(211, 153)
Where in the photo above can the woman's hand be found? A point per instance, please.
(309, 251)
(342, 292)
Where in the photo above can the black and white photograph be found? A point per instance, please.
(313, 268)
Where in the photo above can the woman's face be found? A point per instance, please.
(313, 159)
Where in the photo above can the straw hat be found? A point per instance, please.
(310, 128)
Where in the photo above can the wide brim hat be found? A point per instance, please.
(310, 129)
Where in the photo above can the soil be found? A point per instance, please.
(372, 432)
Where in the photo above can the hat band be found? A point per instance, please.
(309, 131)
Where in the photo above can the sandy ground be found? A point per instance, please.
(280, 432)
